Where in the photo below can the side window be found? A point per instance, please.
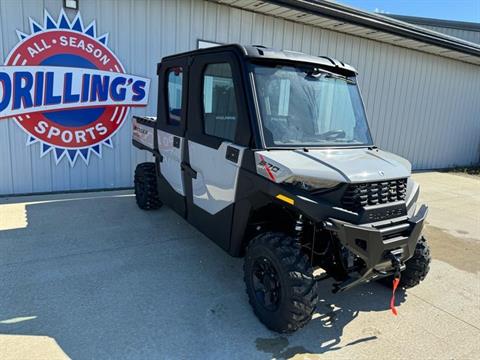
(174, 91)
(219, 102)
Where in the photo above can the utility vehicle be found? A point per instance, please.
(269, 154)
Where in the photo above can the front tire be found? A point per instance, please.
(280, 283)
(146, 191)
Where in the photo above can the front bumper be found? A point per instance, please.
(376, 244)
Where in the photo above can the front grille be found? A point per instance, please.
(359, 195)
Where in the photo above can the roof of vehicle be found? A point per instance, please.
(262, 53)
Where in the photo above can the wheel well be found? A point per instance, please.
(271, 217)
(317, 243)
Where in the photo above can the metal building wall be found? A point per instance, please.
(472, 36)
(423, 107)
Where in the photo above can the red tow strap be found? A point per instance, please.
(396, 281)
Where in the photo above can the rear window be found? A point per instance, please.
(174, 90)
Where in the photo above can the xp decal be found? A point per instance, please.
(66, 89)
(270, 168)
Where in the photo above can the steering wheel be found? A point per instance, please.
(329, 135)
(333, 134)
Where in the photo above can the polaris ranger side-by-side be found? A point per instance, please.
(269, 154)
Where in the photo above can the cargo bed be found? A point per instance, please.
(143, 128)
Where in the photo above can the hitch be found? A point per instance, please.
(396, 264)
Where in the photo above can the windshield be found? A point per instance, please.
(304, 106)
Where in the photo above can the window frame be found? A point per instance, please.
(163, 109)
(259, 119)
(203, 102)
(195, 132)
(168, 71)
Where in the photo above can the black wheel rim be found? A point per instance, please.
(266, 284)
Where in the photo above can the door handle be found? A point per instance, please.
(176, 142)
(188, 170)
(157, 154)
(232, 154)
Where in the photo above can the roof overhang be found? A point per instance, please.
(345, 19)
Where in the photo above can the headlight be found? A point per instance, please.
(303, 185)
(310, 184)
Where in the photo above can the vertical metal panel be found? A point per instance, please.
(6, 172)
(421, 106)
(257, 30)
(472, 36)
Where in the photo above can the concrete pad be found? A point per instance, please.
(18, 347)
(92, 276)
(454, 202)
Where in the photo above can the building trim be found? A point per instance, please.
(381, 23)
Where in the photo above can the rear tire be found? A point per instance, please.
(280, 283)
(146, 192)
(417, 267)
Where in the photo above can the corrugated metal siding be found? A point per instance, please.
(472, 36)
(423, 107)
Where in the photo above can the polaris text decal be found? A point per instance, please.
(66, 89)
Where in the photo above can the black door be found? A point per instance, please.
(217, 135)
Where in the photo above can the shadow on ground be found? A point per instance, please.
(335, 311)
(107, 280)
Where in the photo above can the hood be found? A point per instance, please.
(331, 166)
